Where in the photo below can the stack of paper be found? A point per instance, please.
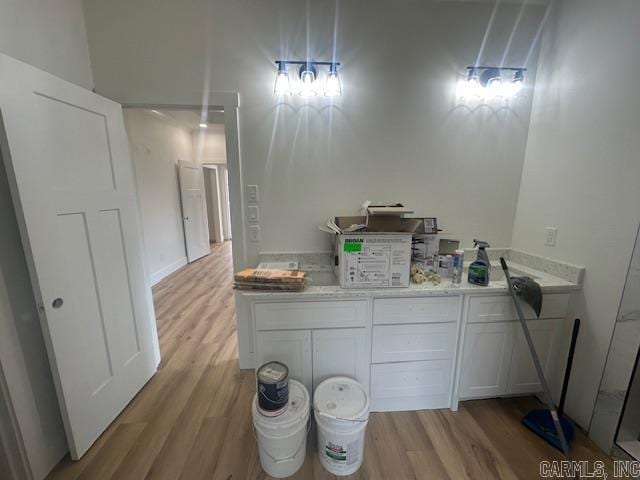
(270, 279)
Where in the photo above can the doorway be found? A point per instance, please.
(180, 159)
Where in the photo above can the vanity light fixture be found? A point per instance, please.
(307, 84)
(484, 82)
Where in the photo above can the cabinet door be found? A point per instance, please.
(291, 347)
(522, 375)
(485, 362)
(341, 352)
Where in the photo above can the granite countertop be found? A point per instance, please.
(323, 283)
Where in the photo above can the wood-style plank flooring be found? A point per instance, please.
(193, 419)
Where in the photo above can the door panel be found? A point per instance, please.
(194, 210)
(485, 361)
(523, 377)
(291, 347)
(72, 183)
(81, 143)
(340, 352)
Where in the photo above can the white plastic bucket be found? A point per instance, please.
(282, 440)
(341, 410)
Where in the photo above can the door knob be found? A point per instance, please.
(57, 303)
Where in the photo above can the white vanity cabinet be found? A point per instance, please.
(413, 352)
(495, 357)
(410, 351)
(315, 339)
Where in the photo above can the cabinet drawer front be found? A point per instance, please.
(415, 310)
(401, 343)
(411, 385)
(305, 315)
(499, 308)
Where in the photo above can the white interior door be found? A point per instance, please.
(213, 210)
(194, 210)
(72, 182)
(224, 190)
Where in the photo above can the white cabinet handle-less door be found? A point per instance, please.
(194, 210)
(72, 183)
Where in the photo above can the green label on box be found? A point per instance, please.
(353, 245)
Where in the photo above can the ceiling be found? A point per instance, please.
(189, 119)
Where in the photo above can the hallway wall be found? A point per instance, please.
(157, 145)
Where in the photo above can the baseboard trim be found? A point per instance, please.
(168, 270)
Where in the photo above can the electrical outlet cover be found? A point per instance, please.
(552, 233)
(254, 233)
(253, 215)
(253, 195)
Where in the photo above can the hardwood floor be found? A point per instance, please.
(192, 420)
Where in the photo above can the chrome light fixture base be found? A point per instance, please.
(308, 80)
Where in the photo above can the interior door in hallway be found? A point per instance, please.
(194, 210)
(72, 183)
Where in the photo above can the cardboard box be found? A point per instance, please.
(425, 251)
(373, 260)
(379, 223)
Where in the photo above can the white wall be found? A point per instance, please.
(157, 145)
(582, 168)
(210, 144)
(395, 135)
(50, 36)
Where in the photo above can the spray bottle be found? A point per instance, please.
(479, 269)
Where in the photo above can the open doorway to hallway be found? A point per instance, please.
(180, 160)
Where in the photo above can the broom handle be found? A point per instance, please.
(567, 371)
(536, 360)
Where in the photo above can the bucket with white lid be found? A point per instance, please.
(282, 440)
(341, 410)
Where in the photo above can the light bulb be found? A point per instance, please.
(517, 84)
(495, 88)
(203, 125)
(308, 82)
(469, 87)
(332, 87)
(511, 89)
(282, 85)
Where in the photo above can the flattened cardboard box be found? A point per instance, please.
(373, 260)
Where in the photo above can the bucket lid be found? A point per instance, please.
(297, 410)
(342, 398)
(272, 372)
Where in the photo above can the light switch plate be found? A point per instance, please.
(253, 215)
(254, 233)
(253, 195)
(552, 233)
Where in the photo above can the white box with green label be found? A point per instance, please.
(373, 260)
